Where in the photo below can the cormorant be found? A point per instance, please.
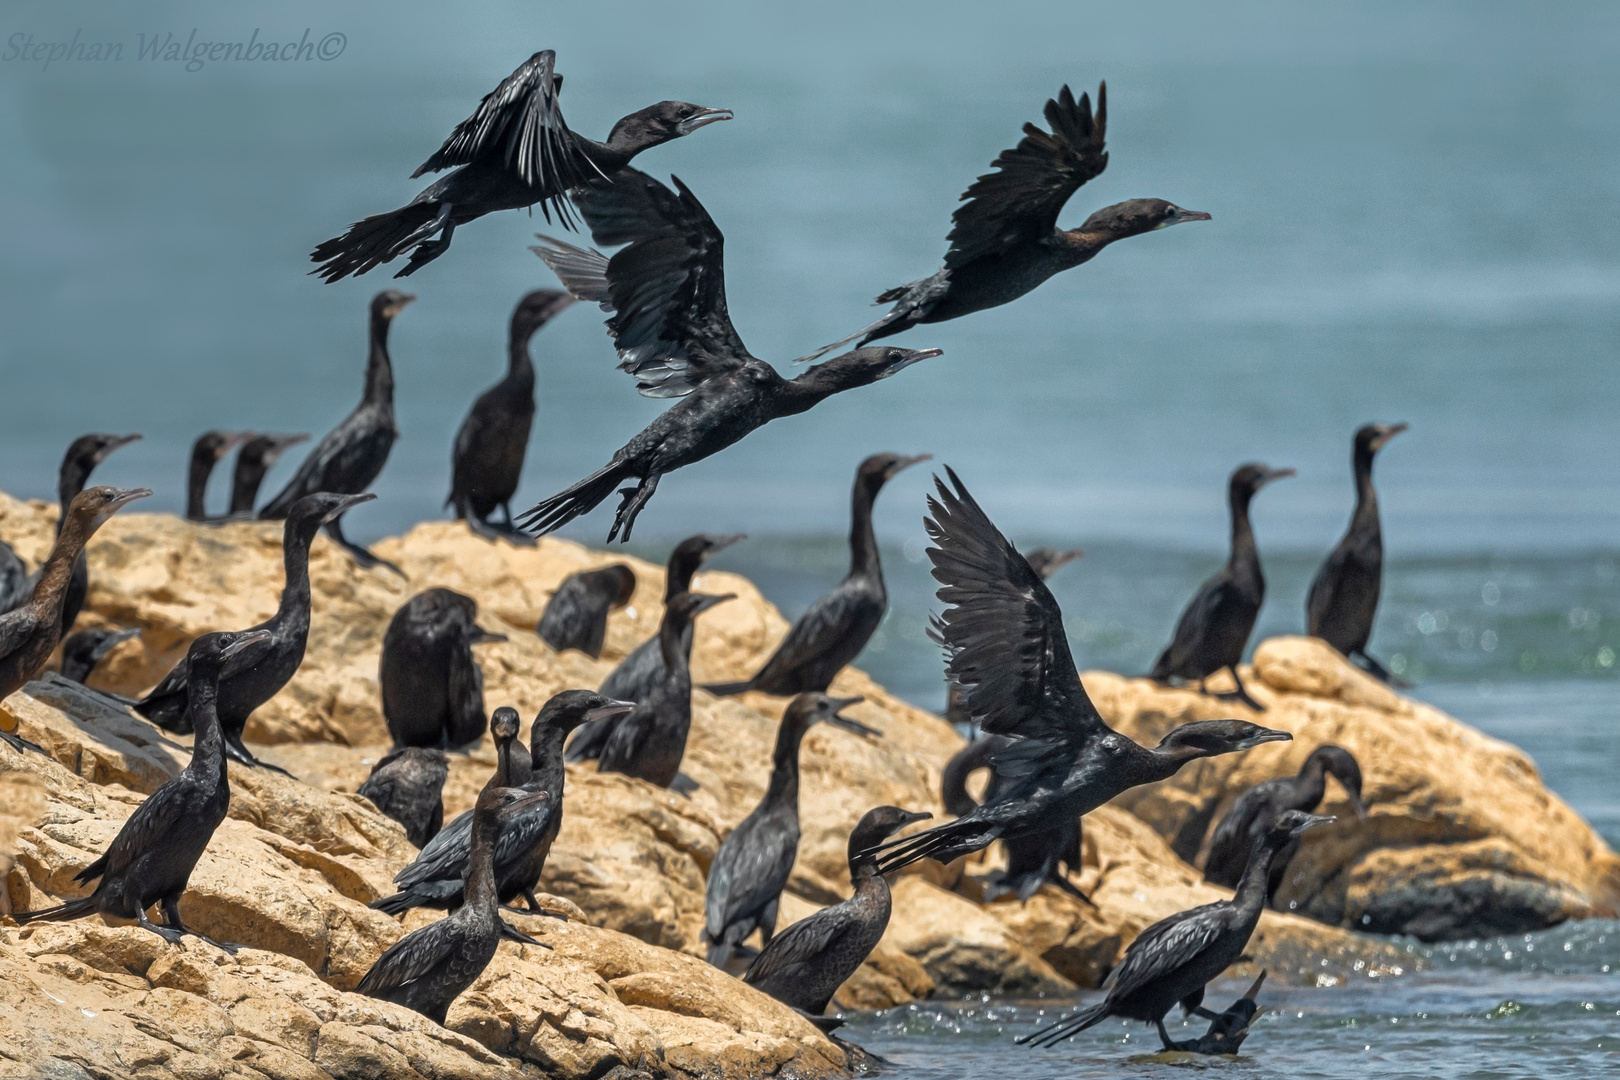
(752, 866)
(577, 613)
(432, 689)
(255, 675)
(670, 325)
(1005, 240)
(514, 765)
(1228, 1030)
(14, 579)
(638, 673)
(1344, 595)
(833, 630)
(206, 452)
(491, 444)
(352, 454)
(151, 859)
(255, 459)
(28, 634)
(1006, 647)
(427, 968)
(1234, 837)
(434, 879)
(84, 650)
(1171, 961)
(1215, 627)
(651, 740)
(408, 786)
(515, 150)
(804, 965)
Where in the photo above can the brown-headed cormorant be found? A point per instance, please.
(804, 965)
(576, 615)
(408, 786)
(670, 325)
(255, 458)
(1215, 627)
(1171, 961)
(651, 739)
(1005, 240)
(490, 446)
(29, 633)
(514, 151)
(1234, 837)
(752, 866)
(832, 631)
(432, 688)
(1228, 1030)
(1006, 647)
(151, 859)
(1344, 595)
(255, 675)
(84, 650)
(352, 454)
(206, 452)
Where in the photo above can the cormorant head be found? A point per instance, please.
(1048, 561)
(878, 824)
(1209, 738)
(690, 554)
(83, 455)
(389, 303)
(313, 511)
(535, 310)
(618, 578)
(862, 367)
(1371, 438)
(503, 724)
(213, 445)
(208, 653)
(810, 709)
(493, 801)
(1136, 216)
(660, 123)
(87, 647)
(1250, 478)
(1292, 823)
(684, 607)
(267, 449)
(94, 505)
(879, 469)
(571, 708)
(1343, 766)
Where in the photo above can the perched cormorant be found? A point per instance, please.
(408, 786)
(1215, 627)
(1344, 595)
(255, 458)
(352, 454)
(28, 634)
(14, 579)
(490, 446)
(432, 689)
(1005, 240)
(514, 765)
(1234, 837)
(804, 965)
(1006, 647)
(427, 968)
(577, 613)
(434, 879)
(833, 630)
(752, 866)
(651, 740)
(515, 150)
(206, 452)
(151, 859)
(1228, 1030)
(643, 669)
(670, 325)
(84, 650)
(255, 675)
(1171, 961)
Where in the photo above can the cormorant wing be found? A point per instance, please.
(15, 626)
(823, 623)
(746, 876)
(666, 289)
(797, 946)
(143, 830)
(521, 120)
(179, 676)
(1019, 203)
(1003, 633)
(465, 691)
(1197, 620)
(406, 960)
(1167, 945)
(14, 585)
(444, 857)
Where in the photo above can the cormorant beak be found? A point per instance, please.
(252, 637)
(282, 442)
(911, 356)
(1275, 474)
(124, 497)
(902, 464)
(345, 504)
(1253, 992)
(1063, 558)
(907, 817)
(112, 641)
(530, 798)
(723, 542)
(1183, 216)
(610, 710)
(480, 636)
(702, 118)
(399, 305)
(710, 601)
(1311, 822)
(122, 440)
(853, 726)
(1265, 736)
(1387, 432)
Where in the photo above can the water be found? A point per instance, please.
(1412, 221)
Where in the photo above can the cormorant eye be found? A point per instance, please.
(895, 354)
(684, 113)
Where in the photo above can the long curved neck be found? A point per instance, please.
(546, 747)
(295, 563)
(672, 639)
(784, 785)
(1312, 783)
(863, 546)
(1245, 557)
(1366, 515)
(518, 363)
(810, 389)
(379, 369)
(1251, 890)
(480, 894)
(202, 702)
(245, 484)
(69, 483)
(202, 464)
(51, 589)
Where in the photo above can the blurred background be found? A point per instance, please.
(1413, 220)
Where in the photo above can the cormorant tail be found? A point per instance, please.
(397, 904)
(551, 514)
(719, 953)
(1069, 1025)
(73, 909)
(942, 843)
(727, 689)
(377, 239)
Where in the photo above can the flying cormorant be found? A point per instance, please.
(206, 452)
(255, 459)
(577, 613)
(408, 786)
(84, 650)
(432, 688)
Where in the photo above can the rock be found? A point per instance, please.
(963, 947)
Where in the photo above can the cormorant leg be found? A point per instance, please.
(366, 559)
(634, 499)
(1381, 673)
(515, 534)
(480, 528)
(767, 921)
(1206, 1013)
(534, 907)
(1240, 694)
(239, 753)
(166, 933)
(428, 250)
(512, 933)
(1062, 881)
(1164, 1036)
(171, 913)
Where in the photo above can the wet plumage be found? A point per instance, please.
(1228, 1030)
(576, 615)
(408, 786)
(432, 688)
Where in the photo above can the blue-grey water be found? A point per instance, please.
(1413, 219)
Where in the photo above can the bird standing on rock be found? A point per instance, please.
(206, 453)
(432, 688)
(408, 786)
(577, 613)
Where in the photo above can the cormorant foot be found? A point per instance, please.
(1378, 671)
(242, 757)
(18, 743)
(536, 910)
(1062, 882)
(1240, 696)
(512, 933)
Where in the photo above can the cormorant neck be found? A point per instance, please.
(628, 141)
(479, 895)
(678, 578)
(54, 575)
(546, 752)
(1168, 761)
(863, 547)
(1245, 554)
(379, 369)
(1251, 890)
(245, 485)
(816, 385)
(295, 546)
(862, 870)
(202, 465)
(784, 783)
(1314, 774)
(202, 702)
(518, 361)
(1366, 497)
(670, 632)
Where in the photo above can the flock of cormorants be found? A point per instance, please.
(1011, 676)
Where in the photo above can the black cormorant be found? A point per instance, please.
(84, 650)
(14, 579)
(832, 631)
(514, 151)
(1005, 240)
(1228, 1030)
(1006, 647)
(432, 689)
(490, 446)
(206, 452)
(408, 786)
(352, 454)
(1215, 627)
(151, 859)
(576, 615)
(752, 866)
(255, 675)
(255, 459)
(1344, 595)
(670, 325)
(514, 765)
(1171, 961)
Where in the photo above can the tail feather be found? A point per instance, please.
(942, 843)
(727, 689)
(73, 909)
(368, 243)
(1067, 1026)
(551, 514)
(582, 271)
(397, 904)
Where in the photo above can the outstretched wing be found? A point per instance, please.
(666, 289)
(1003, 632)
(1020, 201)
